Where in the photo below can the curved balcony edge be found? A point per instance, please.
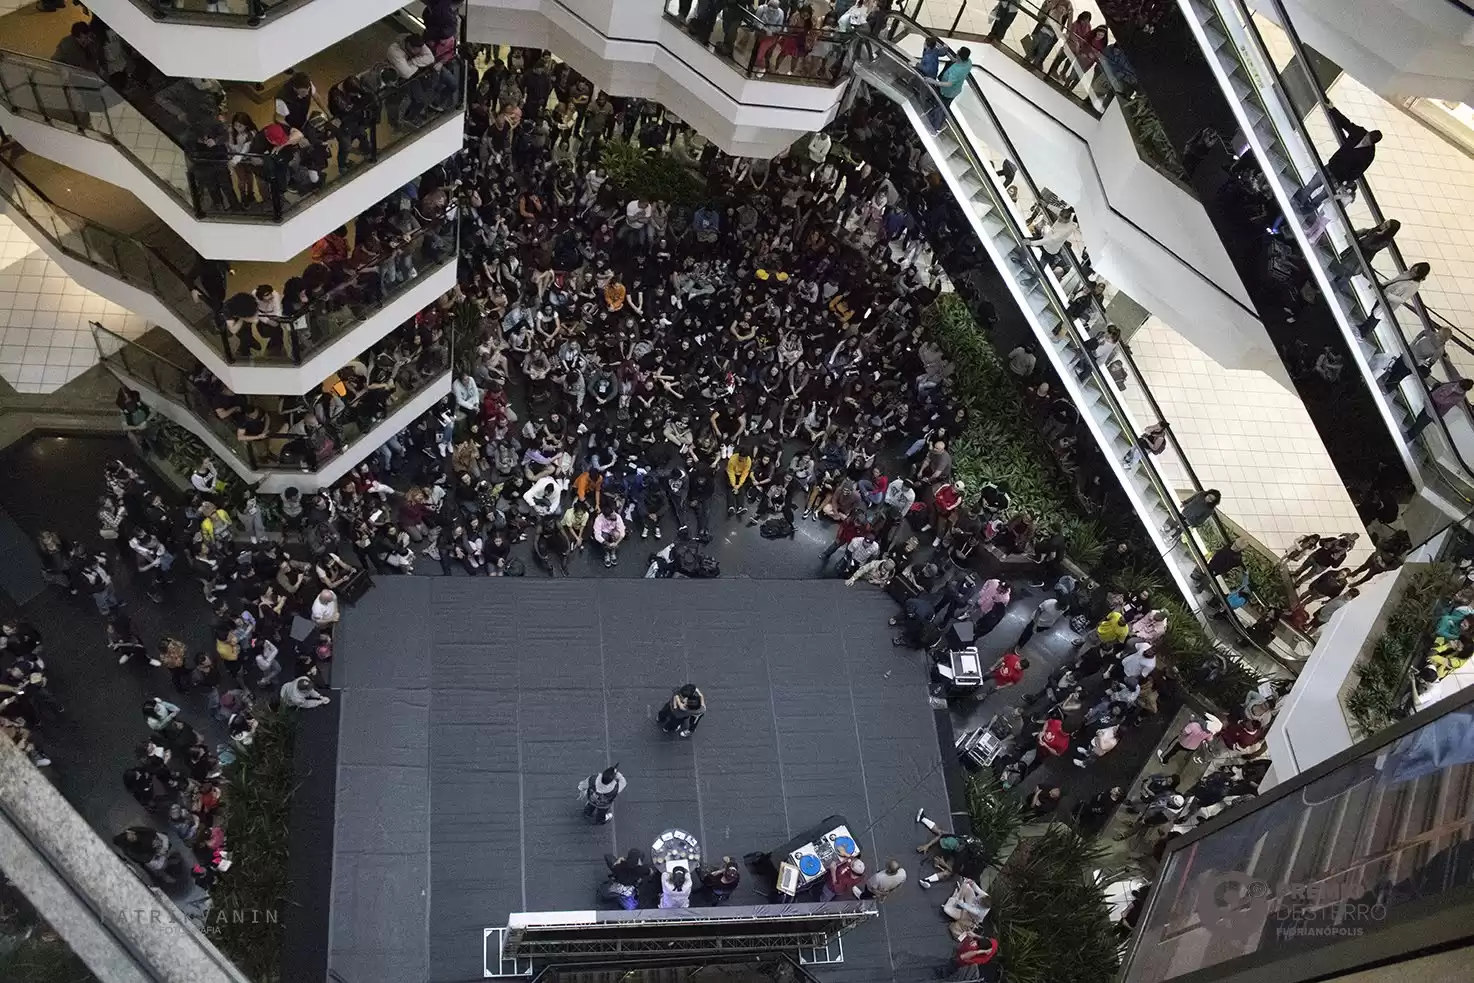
(277, 380)
(234, 50)
(274, 481)
(244, 241)
(655, 59)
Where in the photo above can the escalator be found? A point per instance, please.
(1239, 125)
(950, 134)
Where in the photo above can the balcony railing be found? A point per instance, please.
(287, 447)
(812, 54)
(218, 13)
(1072, 63)
(160, 130)
(236, 331)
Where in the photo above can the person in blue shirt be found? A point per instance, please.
(950, 85)
(931, 58)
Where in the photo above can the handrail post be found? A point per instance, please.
(277, 191)
(195, 195)
(226, 347)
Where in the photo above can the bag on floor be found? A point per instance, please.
(514, 568)
(776, 528)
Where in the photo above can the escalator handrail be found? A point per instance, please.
(1103, 383)
(1251, 31)
(1123, 349)
(1364, 189)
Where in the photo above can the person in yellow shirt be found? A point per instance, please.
(227, 650)
(614, 294)
(739, 469)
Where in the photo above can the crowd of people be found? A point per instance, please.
(237, 164)
(632, 368)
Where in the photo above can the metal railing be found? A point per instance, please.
(1356, 304)
(1069, 63)
(239, 335)
(812, 54)
(896, 64)
(161, 132)
(287, 446)
(218, 13)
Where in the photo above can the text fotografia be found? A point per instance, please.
(216, 916)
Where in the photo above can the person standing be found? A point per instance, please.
(599, 792)
(683, 711)
(949, 86)
(1046, 616)
(1007, 671)
(1003, 14)
(1193, 736)
(1441, 400)
(883, 882)
(1357, 150)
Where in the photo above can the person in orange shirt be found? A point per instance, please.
(615, 294)
(590, 483)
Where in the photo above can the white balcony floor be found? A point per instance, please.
(1246, 436)
(44, 338)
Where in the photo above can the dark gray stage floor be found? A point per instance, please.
(470, 708)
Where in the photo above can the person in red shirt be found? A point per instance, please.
(1007, 671)
(973, 951)
(853, 525)
(944, 503)
(1053, 739)
(845, 880)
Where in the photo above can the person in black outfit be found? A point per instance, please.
(1350, 161)
(353, 111)
(698, 497)
(211, 170)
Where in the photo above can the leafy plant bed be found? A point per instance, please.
(250, 899)
(1380, 697)
(1049, 908)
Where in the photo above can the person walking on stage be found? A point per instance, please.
(683, 712)
(599, 792)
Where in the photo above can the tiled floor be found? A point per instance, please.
(44, 338)
(1245, 435)
(1419, 179)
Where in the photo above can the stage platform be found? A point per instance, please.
(469, 709)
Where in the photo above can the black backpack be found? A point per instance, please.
(776, 528)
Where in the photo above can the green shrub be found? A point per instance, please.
(258, 792)
(1381, 696)
(996, 816)
(653, 177)
(1050, 911)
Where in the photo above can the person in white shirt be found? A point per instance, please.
(546, 495)
(637, 216)
(1059, 233)
(1046, 616)
(266, 662)
(1139, 664)
(300, 693)
(467, 395)
(854, 18)
(410, 57)
(1403, 287)
(819, 145)
(325, 609)
(675, 889)
(1021, 362)
(883, 882)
